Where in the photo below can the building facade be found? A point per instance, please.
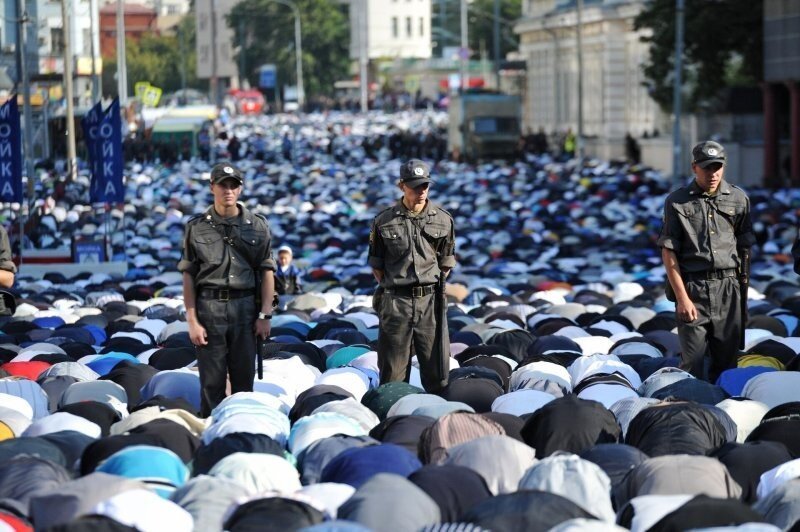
(781, 92)
(84, 42)
(139, 20)
(390, 29)
(615, 99)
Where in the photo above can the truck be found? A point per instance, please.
(484, 125)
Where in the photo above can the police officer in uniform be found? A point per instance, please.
(225, 248)
(705, 245)
(7, 272)
(411, 244)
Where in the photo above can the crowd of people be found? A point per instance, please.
(565, 406)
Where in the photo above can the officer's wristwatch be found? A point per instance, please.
(263, 316)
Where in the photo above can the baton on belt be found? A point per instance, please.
(260, 354)
(744, 283)
(442, 334)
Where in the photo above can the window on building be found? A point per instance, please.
(421, 26)
(408, 27)
(395, 28)
(57, 41)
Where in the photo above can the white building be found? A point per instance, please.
(393, 29)
(50, 33)
(615, 99)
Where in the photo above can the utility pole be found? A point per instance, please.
(363, 18)
(216, 96)
(496, 43)
(72, 158)
(579, 139)
(182, 44)
(22, 58)
(242, 48)
(298, 43)
(464, 52)
(463, 55)
(443, 25)
(122, 66)
(676, 94)
(93, 32)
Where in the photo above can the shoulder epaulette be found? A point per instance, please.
(195, 217)
(438, 208)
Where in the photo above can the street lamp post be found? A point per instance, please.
(363, 21)
(579, 140)
(22, 57)
(676, 94)
(122, 66)
(72, 157)
(298, 48)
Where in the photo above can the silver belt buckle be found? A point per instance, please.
(224, 294)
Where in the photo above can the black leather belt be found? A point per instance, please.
(412, 291)
(225, 294)
(709, 275)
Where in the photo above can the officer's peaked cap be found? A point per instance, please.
(224, 171)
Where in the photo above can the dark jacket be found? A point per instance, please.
(412, 250)
(288, 282)
(706, 232)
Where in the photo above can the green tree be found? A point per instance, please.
(159, 59)
(722, 48)
(264, 33)
(447, 25)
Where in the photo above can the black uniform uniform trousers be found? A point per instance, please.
(231, 348)
(407, 328)
(716, 330)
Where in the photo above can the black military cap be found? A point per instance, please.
(415, 173)
(708, 152)
(224, 171)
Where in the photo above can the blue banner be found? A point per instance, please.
(10, 152)
(90, 123)
(103, 133)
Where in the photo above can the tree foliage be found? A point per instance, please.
(159, 60)
(722, 47)
(481, 25)
(264, 33)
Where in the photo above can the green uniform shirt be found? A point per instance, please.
(5, 253)
(217, 261)
(706, 231)
(411, 249)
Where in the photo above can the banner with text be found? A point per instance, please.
(10, 153)
(103, 133)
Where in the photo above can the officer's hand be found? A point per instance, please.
(685, 310)
(262, 328)
(197, 334)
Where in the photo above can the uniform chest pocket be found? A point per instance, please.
(251, 244)
(434, 233)
(394, 237)
(690, 216)
(209, 247)
(728, 214)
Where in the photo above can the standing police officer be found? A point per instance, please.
(7, 271)
(225, 248)
(705, 245)
(411, 244)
